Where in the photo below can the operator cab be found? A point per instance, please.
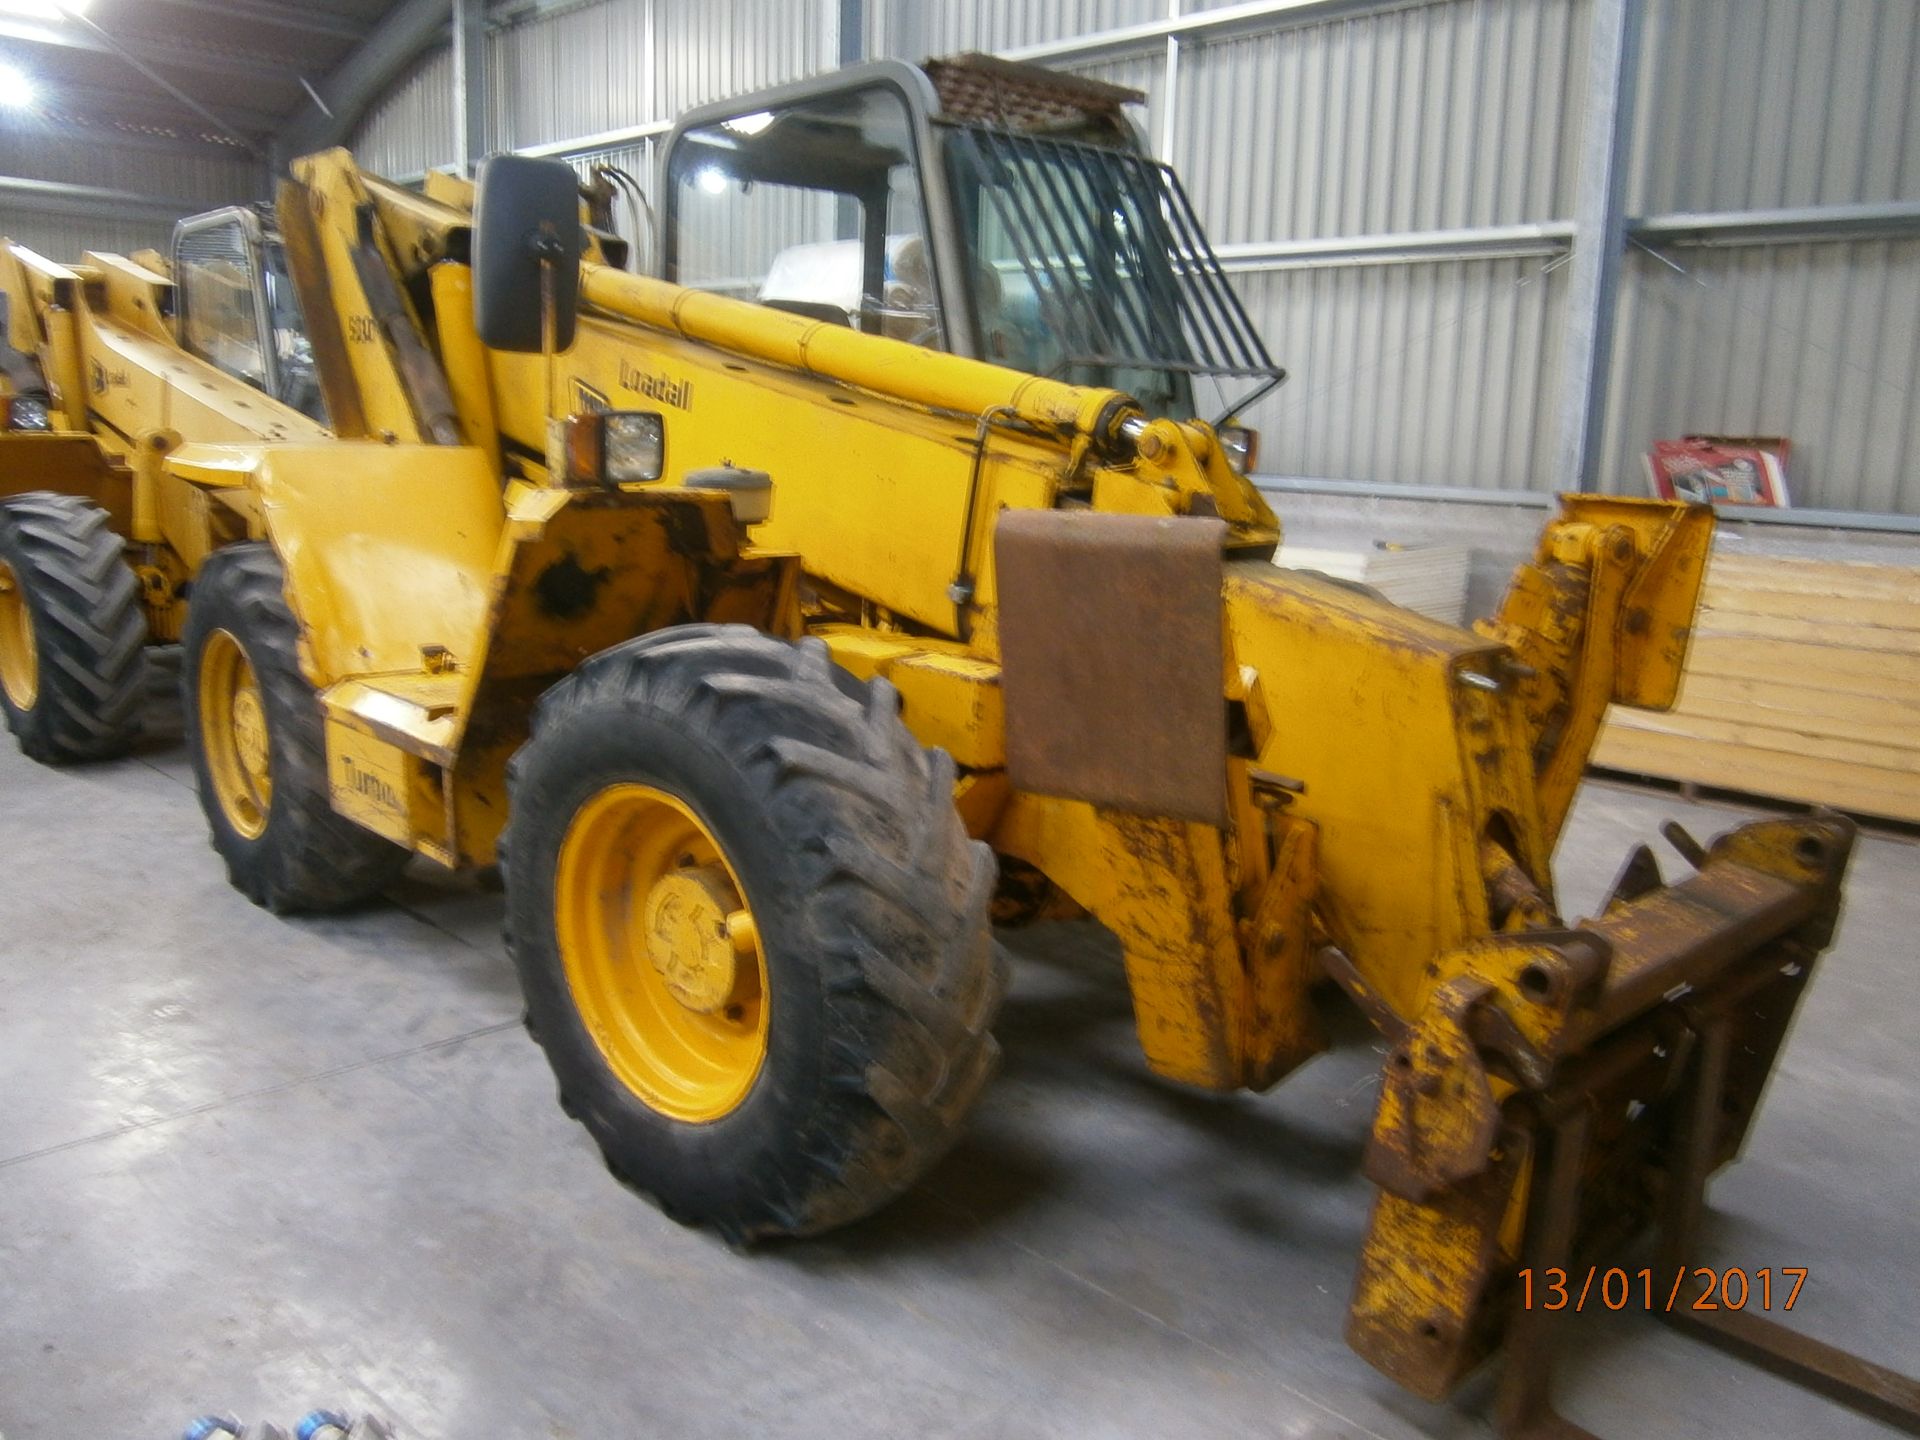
(236, 308)
(994, 210)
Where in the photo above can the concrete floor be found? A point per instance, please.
(256, 1165)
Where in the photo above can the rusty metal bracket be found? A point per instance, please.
(1596, 1076)
(1438, 1116)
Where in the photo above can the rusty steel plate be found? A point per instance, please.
(1111, 654)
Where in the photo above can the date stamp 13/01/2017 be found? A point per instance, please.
(1699, 1287)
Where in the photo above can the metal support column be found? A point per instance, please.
(1169, 91)
(469, 83)
(1599, 240)
(852, 32)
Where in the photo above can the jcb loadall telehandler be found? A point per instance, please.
(743, 615)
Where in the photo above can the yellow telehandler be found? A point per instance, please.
(745, 611)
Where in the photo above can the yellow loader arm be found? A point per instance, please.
(1552, 1089)
(1393, 809)
(1603, 614)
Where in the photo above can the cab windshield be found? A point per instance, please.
(1087, 264)
(1077, 261)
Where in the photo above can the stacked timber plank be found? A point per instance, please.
(1803, 684)
(1429, 578)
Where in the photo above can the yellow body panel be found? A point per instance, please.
(140, 383)
(45, 314)
(893, 472)
(370, 783)
(949, 698)
(389, 549)
(1400, 761)
(1163, 887)
(136, 295)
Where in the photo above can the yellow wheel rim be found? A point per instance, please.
(662, 953)
(233, 733)
(19, 654)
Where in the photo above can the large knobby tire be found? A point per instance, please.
(72, 631)
(255, 731)
(712, 809)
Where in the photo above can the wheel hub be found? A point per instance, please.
(696, 933)
(234, 735)
(661, 952)
(250, 735)
(19, 654)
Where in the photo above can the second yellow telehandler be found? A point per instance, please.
(745, 612)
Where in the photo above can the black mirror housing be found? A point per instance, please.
(526, 215)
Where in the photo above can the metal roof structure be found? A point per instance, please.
(220, 73)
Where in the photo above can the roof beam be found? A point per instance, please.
(94, 199)
(288, 17)
(138, 106)
(157, 52)
(185, 147)
(155, 77)
(395, 43)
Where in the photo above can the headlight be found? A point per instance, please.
(28, 412)
(635, 447)
(615, 447)
(1241, 446)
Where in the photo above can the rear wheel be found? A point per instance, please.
(255, 732)
(72, 632)
(751, 929)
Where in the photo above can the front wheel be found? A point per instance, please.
(751, 930)
(258, 743)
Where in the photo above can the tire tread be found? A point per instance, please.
(89, 626)
(869, 817)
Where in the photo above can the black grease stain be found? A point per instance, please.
(566, 590)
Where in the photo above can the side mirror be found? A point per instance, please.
(526, 220)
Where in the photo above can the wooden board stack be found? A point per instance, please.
(1429, 578)
(1803, 684)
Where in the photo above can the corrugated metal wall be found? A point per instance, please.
(1390, 371)
(1771, 103)
(176, 181)
(1437, 117)
(915, 29)
(66, 237)
(205, 180)
(411, 129)
(592, 68)
(1419, 116)
(1763, 105)
(1432, 118)
(1817, 342)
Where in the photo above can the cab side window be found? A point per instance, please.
(814, 209)
(220, 314)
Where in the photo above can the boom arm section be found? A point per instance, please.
(1602, 615)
